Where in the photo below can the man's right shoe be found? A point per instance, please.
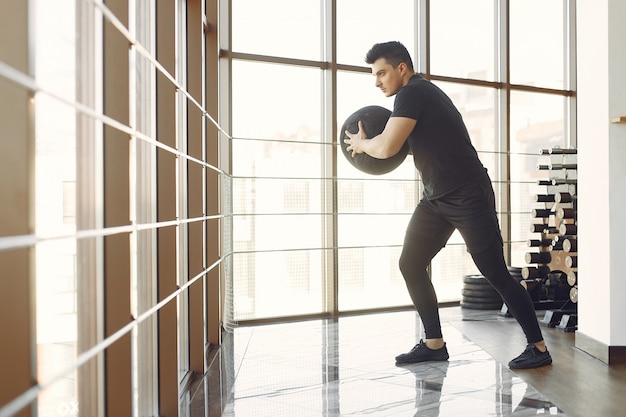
(422, 353)
(531, 358)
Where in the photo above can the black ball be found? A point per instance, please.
(374, 120)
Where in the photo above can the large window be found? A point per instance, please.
(312, 234)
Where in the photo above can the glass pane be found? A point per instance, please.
(370, 277)
(277, 232)
(462, 38)
(277, 229)
(277, 284)
(537, 122)
(283, 28)
(360, 25)
(373, 216)
(280, 215)
(537, 43)
(278, 191)
(266, 107)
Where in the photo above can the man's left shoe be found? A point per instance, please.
(422, 353)
(530, 358)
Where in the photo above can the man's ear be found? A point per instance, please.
(402, 67)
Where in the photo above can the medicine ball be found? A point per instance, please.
(374, 119)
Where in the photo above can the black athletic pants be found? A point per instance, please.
(471, 210)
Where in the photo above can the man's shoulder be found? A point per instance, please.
(419, 83)
(418, 79)
(417, 86)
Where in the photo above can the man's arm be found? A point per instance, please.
(385, 145)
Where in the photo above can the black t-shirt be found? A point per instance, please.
(441, 146)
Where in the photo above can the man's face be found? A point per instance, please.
(388, 78)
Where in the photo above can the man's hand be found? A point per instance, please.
(356, 141)
(382, 146)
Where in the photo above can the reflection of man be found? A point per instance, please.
(428, 387)
(457, 195)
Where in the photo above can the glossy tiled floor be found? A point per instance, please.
(345, 367)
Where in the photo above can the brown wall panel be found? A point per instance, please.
(196, 328)
(16, 152)
(195, 184)
(168, 322)
(16, 326)
(118, 380)
(196, 195)
(17, 302)
(166, 258)
(214, 287)
(196, 299)
(196, 244)
(166, 210)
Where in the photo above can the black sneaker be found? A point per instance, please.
(531, 357)
(422, 353)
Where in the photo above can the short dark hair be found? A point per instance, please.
(393, 52)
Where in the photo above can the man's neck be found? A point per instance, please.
(407, 77)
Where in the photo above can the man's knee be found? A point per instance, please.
(416, 258)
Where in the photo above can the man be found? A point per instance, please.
(457, 195)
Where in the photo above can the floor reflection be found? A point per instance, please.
(346, 367)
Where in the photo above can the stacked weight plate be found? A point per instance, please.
(478, 294)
